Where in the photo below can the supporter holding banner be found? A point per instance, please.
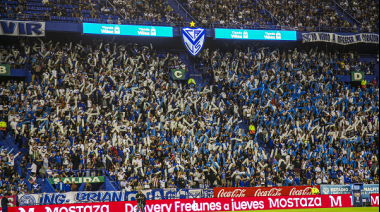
(339, 39)
(204, 204)
(263, 191)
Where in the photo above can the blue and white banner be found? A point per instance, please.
(339, 39)
(112, 196)
(346, 189)
(335, 189)
(369, 189)
(22, 28)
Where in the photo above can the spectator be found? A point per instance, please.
(74, 186)
(87, 186)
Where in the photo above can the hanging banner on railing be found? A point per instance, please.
(112, 196)
(339, 39)
(335, 189)
(345, 189)
(204, 204)
(77, 180)
(369, 189)
(22, 28)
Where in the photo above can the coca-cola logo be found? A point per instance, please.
(302, 192)
(234, 193)
(274, 192)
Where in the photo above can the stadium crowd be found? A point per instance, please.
(367, 12)
(232, 13)
(103, 108)
(290, 15)
(119, 12)
(305, 15)
(287, 15)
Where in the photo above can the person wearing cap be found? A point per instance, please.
(141, 201)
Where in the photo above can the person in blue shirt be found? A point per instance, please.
(58, 160)
(67, 186)
(36, 188)
(309, 175)
(60, 186)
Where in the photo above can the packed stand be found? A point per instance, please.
(108, 109)
(149, 12)
(366, 12)
(117, 12)
(319, 130)
(244, 13)
(306, 15)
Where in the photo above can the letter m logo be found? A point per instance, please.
(337, 202)
(374, 201)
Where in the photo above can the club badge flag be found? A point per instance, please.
(178, 74)
(357, 75)
(5, 70)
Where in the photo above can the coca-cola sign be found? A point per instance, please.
(263, 191)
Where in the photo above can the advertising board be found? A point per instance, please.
(131, 30)
(263, 191)
(204, 204)
(245, 34)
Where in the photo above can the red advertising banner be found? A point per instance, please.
(12, 200)
(263, 191)
(196, 205)
(375, 200)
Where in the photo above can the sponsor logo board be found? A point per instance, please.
(203, 204)
(263, 192)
